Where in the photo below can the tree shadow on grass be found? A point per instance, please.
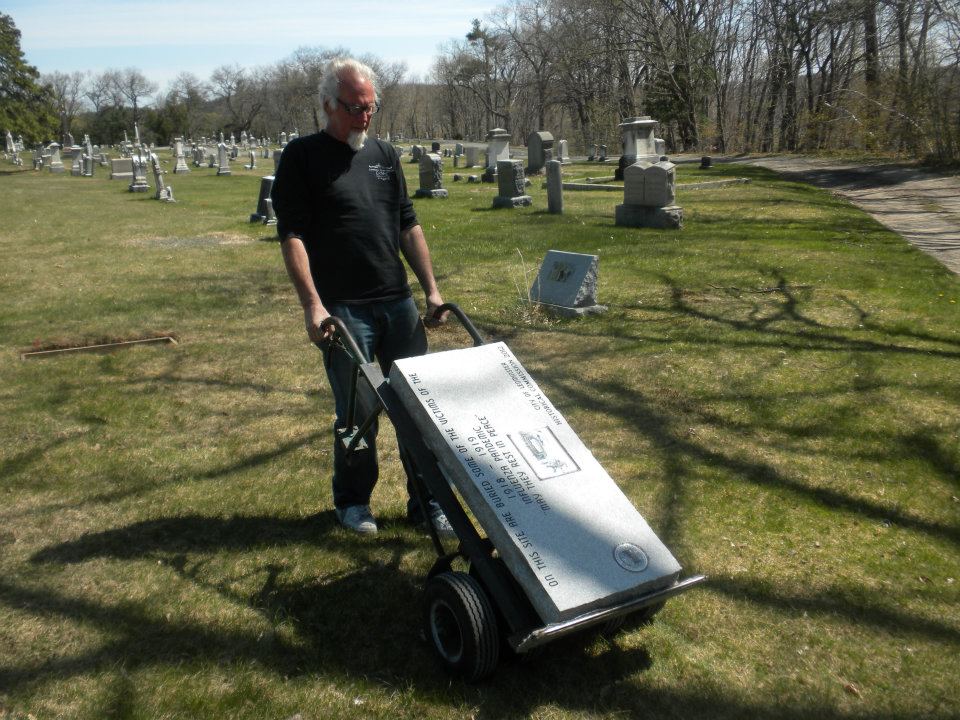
(362, 621)
(833, 603)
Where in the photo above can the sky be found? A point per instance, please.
(166, 37)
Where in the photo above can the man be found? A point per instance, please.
(344, 219)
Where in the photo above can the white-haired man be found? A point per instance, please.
(344, 220)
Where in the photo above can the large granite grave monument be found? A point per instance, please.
(539, 150)
(649, 197)
(498, 148)
(569, 535)
(511, 185)
(639, 143)
(431, 177)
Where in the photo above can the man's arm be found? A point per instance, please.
(298, 268)
(414, 247)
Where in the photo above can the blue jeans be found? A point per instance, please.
(385, 331)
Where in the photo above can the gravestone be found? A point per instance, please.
(76, 168)
(11, 148)
(253, 161)
(121, 169)
(639, 143)
(270, 218)
(435, 147)
(498, 148)
(458, 149)
(223, 160)
(56, 164)
(416, 153)
(511, 185)
(539, 151)
(563, 154)
(567, 284)
(88, 157)
(554, 187)
(706, 162)
(266, 185)
(431, 177)
(277, 154)
(649, 197)
(181, 166)
(164, 192)
(471, 153)
(568, 534)
(139, 181)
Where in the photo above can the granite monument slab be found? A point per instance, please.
(567, 532)
(567, 284)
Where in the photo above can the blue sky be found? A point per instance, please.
(166, 37)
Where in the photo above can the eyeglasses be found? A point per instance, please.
(356, 110)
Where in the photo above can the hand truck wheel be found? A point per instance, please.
(460, 623)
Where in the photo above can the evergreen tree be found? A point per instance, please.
(26, 106)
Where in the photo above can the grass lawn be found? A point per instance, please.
(776, 387)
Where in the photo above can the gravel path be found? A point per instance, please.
(922, 207)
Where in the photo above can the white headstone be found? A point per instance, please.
(569, 535)
(223, 160)
(498, 147)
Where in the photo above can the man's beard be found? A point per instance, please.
(356, 139)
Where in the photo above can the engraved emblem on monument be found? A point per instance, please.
(543, 453)
(561, 272)
(630, 557)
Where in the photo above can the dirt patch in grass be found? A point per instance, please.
(209, 239)
(66, 344)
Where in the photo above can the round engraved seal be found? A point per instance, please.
(630, 557)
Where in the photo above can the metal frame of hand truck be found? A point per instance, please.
(513, 614)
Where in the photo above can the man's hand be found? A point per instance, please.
(313, 316)
(434, 301)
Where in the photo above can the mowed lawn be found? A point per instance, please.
(775, 386)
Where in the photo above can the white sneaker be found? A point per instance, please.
(357, 518)
(443, 527)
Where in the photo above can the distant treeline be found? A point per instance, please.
(721, 76)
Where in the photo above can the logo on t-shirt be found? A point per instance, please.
(381, 172)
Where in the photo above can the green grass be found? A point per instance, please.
(775, 387)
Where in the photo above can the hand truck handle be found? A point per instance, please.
(464, 320)
(346, 339)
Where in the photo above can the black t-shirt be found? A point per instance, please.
(350, 209)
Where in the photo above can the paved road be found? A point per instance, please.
(922, 207)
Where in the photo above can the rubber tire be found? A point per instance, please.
(460, 623)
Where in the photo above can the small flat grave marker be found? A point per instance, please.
(567, 284)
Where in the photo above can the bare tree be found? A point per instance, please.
(67, 91)
(240, 94)
(135, 87)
